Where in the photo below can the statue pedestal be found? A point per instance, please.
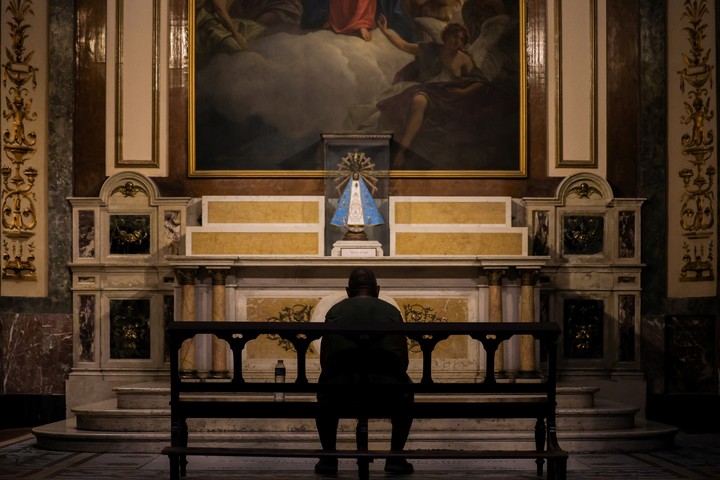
(357, 248)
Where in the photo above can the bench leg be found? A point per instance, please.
(557, 469)
(552, 469)
(361, 439)
(183, 466)
(540, 444)
(178, 438)
(174, 467)
(562, 469)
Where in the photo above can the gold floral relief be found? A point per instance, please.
(19, 197)
(277, 310)
(697, 213)
(437, 310)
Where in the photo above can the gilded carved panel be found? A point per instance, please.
(437, 310)
(583, 234)
(277, 310)
(23, 167)
(130, 329)
(692, 183)
(583, 328)
(129, 234)
(302, 310)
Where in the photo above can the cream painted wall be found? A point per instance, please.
(576, 66)
(137, 87)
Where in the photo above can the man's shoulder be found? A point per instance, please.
(374, 301)
(363, 303)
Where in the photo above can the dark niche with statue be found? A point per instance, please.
(583, 234)
(583, 328)
(130, 328)
(130, 234)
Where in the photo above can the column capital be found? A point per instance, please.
(528, 276)
(218, 275)
(186, 276)
(495, 276)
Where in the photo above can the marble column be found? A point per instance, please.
(528, 278)
(495, 310)
(186, 278)
(219, 347)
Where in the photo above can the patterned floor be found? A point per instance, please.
(694, 457)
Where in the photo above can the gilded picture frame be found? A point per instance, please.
(259, 109)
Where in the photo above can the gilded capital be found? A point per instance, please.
(495, 276)
(528, 277)
(218, 275)
(186, 276)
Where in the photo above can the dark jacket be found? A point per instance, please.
(347, 360)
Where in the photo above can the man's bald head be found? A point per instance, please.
(362, 283)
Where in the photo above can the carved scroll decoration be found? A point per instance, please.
(297, 313)
(697, 213)
(19, 216)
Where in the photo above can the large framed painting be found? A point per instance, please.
(269, 77)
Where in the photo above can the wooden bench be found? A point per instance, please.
(490, 398)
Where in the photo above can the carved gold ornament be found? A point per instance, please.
(19, 217)
(584, 190)
(129, 189)
(296, 314)
(416, 313)
(697, 213)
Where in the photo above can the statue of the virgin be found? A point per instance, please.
(356, 207)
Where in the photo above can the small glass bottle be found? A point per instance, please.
(280, 378)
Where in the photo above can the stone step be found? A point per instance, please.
(104, 416)
(64, 435)
(143, 395)
(138, 420)
(154, 395)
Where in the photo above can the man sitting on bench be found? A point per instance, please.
(341, 364)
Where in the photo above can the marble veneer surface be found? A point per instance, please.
(35, 353)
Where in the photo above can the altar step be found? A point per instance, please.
(138, 420)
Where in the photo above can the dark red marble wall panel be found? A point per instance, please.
(35, 353)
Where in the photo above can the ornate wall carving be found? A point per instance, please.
(692, 184)
(24, 166)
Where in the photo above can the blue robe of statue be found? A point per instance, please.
(371, 215)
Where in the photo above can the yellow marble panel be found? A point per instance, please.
(254, 243)
(415, 213)
(459, 243)
(277, 309)
(437, 310)
(263, 212)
